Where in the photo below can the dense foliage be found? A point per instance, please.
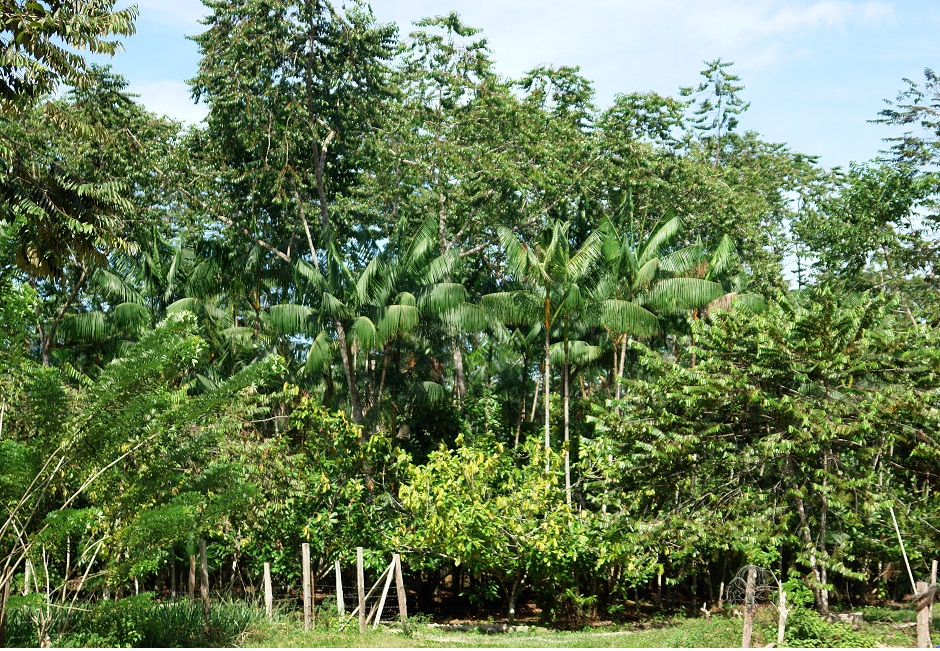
(385, 297)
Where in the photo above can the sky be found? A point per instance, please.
(814, 71)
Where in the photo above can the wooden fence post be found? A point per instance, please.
(204, 583)
(4, 596)
(923, 597)
(933, 582)
(340, 602)
(400, 588)
(305, 552)
(192, 576)
(173, 578)
(361, 587)
(782, 619)
(268, 592)
(381, 606)
(749, 597)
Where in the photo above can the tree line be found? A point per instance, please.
(386, 297)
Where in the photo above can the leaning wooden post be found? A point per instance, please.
(268, 592)
(340, 602)
(749, 607)
(381, 607)
(923, 597)
(305, 550)
(28, 567)
(400, 588)
(361, 588)
(204, 583)
(192, 576)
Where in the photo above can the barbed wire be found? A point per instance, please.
(766, 585)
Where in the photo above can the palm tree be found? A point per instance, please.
(405, 283)
(641, 282)
(555, 278)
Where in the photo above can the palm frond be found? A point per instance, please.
(661, 237)
(428, 393)
(365, 331)
(289, 318)
(519, 307)
(676, 295)
(628, 317)
(320, 353)
(397, 320)
(441, 297)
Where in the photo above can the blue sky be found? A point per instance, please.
(815, 71)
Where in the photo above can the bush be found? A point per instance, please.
(805, 628)
(141, 622)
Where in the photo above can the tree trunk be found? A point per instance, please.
(538, 386)
(459, 382)
(822, 602)
(513, 596)
(522, 383)
(47, 333)
(350, 371)
(567, 420)
(548, 364)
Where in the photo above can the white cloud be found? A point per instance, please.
(169, 97)
(644, 40)
(175, 13)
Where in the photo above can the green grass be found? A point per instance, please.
(680, 632)
(715, 632)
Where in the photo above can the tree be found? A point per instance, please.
(915, 106)
(557, 280)
(475, 507)
(786, 430)
(125, 464)
(717, 105)
(91, 194)
(59, 215)
(38, 44)
(641, 281)
(292, 89)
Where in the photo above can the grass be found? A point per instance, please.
(715, 632)
(680, 632)
(140, 621)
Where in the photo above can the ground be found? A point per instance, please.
(717, 631)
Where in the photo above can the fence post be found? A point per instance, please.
(361, 588)
(204, 583)
(4, 596)
(388, 583)
(933, 582)
(749, 598)
(340, 602)
(173, 577)
(400, 588)
(305, 551)
(782, 619)
(192, 576)
(924, 599)
(268, 592)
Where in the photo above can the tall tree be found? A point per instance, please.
(556, 280)
(292, 89)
